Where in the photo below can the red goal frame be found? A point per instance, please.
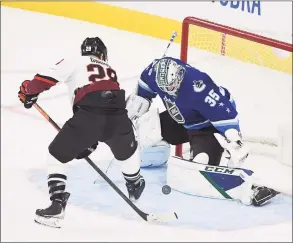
(225, 30)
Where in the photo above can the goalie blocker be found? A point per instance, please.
(216, 182)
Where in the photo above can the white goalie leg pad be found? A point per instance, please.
(202, 158)
(155, 156)
(136, 106)
(148, 128)
(285, 143)
(209, 181)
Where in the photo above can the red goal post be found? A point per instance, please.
(196, 31)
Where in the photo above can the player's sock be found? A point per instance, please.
(135, 183)
(262, 195)
(56, 184)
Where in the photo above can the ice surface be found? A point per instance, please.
(95, 212)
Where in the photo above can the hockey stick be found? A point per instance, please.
(147, 217)
(174, 34)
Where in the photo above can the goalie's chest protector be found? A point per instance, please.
(181, 107)
(173, 109)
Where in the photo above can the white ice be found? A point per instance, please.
(31, 41)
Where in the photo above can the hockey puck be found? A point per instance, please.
(166, 189)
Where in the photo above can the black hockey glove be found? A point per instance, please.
(27, 99)
(87, 152)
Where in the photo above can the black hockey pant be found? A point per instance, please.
(85, 129)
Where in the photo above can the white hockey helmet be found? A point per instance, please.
(169, 75)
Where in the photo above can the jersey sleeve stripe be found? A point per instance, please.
(145, 86)
(234, 121)
(196, 124)
(46, 79)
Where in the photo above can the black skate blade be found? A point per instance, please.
(49, 222)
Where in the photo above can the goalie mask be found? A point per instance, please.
(169, 76)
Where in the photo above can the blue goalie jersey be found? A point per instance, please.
(197, 103)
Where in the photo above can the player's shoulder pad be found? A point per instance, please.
(148, 70)
(200, 81)
(68, 61)
(92, 59)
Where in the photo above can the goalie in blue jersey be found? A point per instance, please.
(197, 111)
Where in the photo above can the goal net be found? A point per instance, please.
(256, 69)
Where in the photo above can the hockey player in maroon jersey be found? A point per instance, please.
(99, 116)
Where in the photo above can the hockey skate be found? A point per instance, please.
(262, 195)
(54, 214)
(135, 188)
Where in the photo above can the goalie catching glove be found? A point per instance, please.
(233, 144)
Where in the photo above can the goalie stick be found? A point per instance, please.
(174, 34)
(165, 217)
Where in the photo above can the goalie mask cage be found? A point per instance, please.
(201, 34)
